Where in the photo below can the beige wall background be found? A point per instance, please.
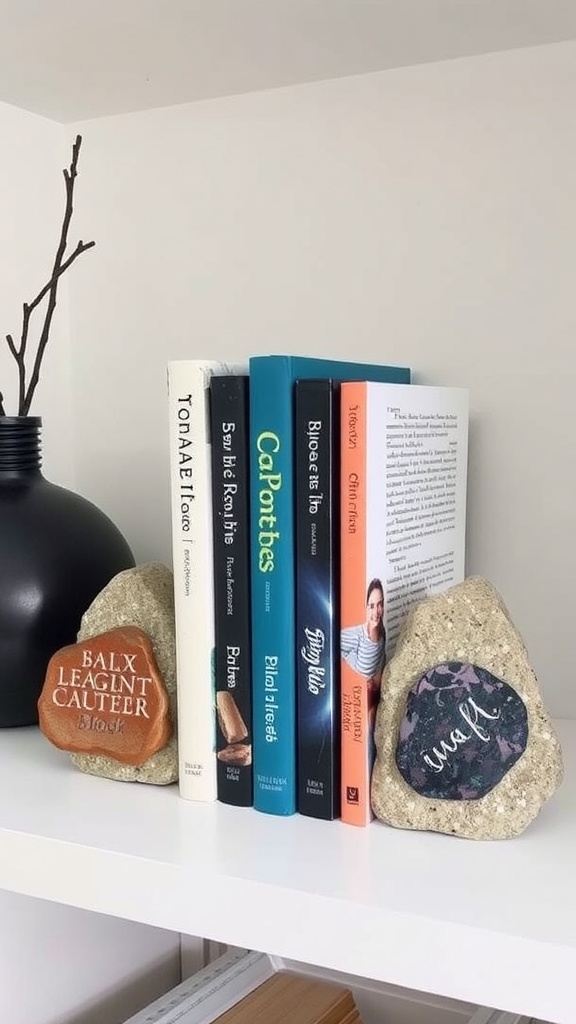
(425, 215)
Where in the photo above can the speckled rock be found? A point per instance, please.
(481, 701)
(143, 597)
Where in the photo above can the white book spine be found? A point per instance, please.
(191, 506)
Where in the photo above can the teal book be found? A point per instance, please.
(273, 575)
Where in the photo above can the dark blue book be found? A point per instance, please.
(317, 459)
(231, 539)
(272, 495)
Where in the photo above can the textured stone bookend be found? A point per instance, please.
(464, 743)
(133, 613)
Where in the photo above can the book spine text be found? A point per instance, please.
(190, 476)
(272, 577)
(230, 505)
(355, 729)
(317, 597)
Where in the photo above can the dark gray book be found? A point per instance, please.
(316, 448)
(231, 540)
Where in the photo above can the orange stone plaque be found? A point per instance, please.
(106, 696)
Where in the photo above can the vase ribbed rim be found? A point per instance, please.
(20, 444)
(32, 421)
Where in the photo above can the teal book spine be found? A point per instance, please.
(273, 586)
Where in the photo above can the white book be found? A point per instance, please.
(192, 558)
(208, 994)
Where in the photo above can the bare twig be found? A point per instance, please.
(18, 354)
(50, 289)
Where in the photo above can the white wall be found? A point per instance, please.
(425, 215)
(59, 965)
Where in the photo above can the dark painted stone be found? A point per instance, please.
(462, 730)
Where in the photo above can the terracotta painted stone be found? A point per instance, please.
(106, 696)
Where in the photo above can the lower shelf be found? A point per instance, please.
(232, 976)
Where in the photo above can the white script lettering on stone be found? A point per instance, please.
(470, 712)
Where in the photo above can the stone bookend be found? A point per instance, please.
(464, 743)
(126, 651)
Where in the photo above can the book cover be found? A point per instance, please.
(291, 998)
(193, 566)
(231, 534)
(273, 563)
(404, 453)
(317, 518)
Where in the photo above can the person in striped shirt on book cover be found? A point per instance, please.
(364, 646)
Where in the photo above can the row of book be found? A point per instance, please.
(244, 987)
(313, 501)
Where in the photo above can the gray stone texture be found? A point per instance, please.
(470, 623)
(144, 597)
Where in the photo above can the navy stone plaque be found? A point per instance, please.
(462, 731)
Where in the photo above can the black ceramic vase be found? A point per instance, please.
(57, 551)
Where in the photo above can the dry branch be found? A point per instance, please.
(19, 350)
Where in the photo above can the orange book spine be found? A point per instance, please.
(355, 732)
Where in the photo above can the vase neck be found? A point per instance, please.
(20, 445)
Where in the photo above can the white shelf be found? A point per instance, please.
(489, 923)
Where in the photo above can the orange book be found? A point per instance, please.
(404, 451)
(355, 760)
